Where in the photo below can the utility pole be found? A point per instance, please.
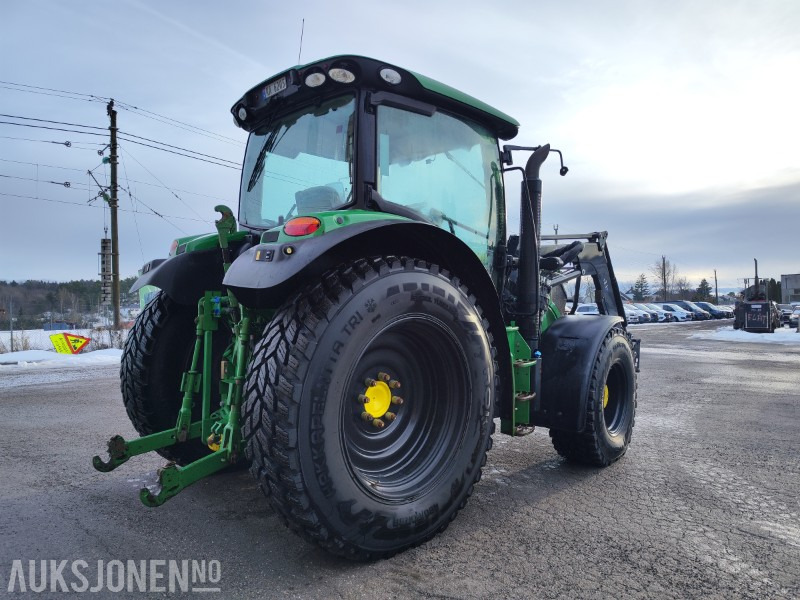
(716, 288)
(113, 203)
(664, 275)
(757, 283)
(555, 228)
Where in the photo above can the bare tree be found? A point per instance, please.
(587, 290)
(683, 288)
(664, 273)
(66, 300)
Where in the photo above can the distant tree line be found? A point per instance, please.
(35, 303)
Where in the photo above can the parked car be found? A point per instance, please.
(794, 317)
(632, 314)
(587, 309)
(698, 314)
(652, 315)
(644, 315)
(664, 316)
(715, 311)
(677, 312)
(786, 312)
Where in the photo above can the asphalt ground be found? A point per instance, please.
(706, 503)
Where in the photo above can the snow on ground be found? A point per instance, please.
(45, 358)
(31, 367)
(39, 339)
(784, 335)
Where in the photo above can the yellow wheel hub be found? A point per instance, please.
(380, 398)
(377, 399)
(605, 396)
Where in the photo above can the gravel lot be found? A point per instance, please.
(705, 504)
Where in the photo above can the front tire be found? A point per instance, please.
(367, 480)
(610, 407)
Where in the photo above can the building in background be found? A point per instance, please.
(790, 288)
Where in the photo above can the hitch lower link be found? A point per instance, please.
(219, 430)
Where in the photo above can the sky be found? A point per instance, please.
(678, 120)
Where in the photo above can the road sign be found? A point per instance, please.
(69, 343)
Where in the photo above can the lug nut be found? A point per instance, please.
(390, 416)
(363, 399)
(394, 384)
(366, 416)
(378, 423)
(384, 376)
(369, 382)
(397, 400)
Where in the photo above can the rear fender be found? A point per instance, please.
(184, 277)
(266, 275)
(569, 347)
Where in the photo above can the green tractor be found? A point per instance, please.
(354, 337)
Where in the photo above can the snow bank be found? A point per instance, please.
(784, 335)
(46, 359)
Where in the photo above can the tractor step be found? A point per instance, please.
(526, 372)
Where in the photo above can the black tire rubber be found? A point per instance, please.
(157, 352)
(358, 492)
(608, 431)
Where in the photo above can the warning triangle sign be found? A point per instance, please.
(76, 342)
(69, 343)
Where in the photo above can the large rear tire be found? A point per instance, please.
(610, 407)
(157, 352)
(367, 480)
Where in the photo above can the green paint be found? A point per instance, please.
(550, 315)
(146, 293)
(521, 365)
(453, 94)
(336, 219)
(206, 241)
(221, 427)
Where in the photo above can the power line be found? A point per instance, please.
(151, 209)
(180, 148)
(66, 184)
(178, 124)
(217, 158)
(54, 122)
(47, 94)
(211, 162)
(86, 205)
(51, 128)
(90, 97)
(174, 189)
(135, 220)
(68, 144)
(23, 162)
(181, 200)
(130, 107)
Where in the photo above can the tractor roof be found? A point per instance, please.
(364, 73)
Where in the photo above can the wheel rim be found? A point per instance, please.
(407, 407)
(615, 399)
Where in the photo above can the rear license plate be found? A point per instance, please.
(274, 87)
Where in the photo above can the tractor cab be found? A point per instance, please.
(352, 133)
